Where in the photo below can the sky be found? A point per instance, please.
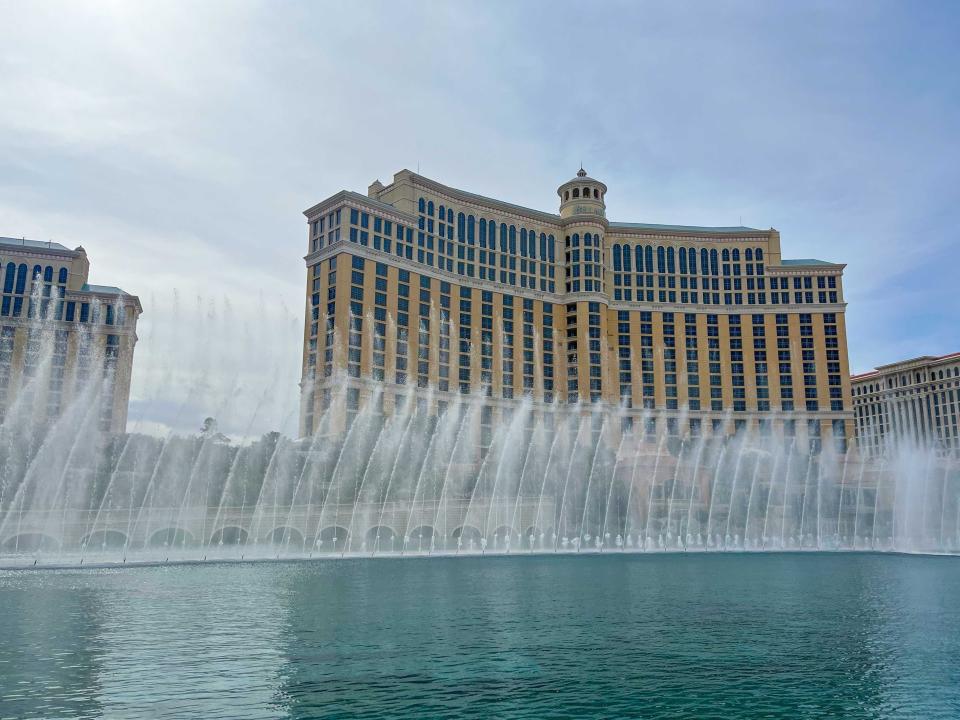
(179, 143)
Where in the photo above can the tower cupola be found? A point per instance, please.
(582, 196)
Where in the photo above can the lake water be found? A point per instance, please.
(630, 636)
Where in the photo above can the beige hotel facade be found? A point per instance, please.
(58, 332)
(914, 401)
(700, 330)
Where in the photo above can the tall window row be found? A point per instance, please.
(584, 258)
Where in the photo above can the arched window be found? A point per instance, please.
(638, 253)
(683, 261)
(533, 245)
(617, 259)
(461, 227)
(758, 255)
(422, 205)
(586, 192)
(37, 273)
(441, 213)
(671, 262)
(8, 280)
(430, 208)
(596, 193)
(21, 279)
(626, 257)
(648, 258)
(586, 239)
(491, 233)
(523, 242)
(693, 260)
(704, 261)
(48, 274)
(471, 227)
(736, 255)
(661, 259)
(566, 195)
(725, 255)
(513, 240)
(550, 251)
(483, 233)
(748, 255)
(503, 237)
(543, 247)
(576, 192)
(714, 265)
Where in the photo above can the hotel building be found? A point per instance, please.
(57, 332)
(915, 401)
(703, 330)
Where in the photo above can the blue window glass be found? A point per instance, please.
(617, 259)
(9, 278)
(48, 274)
(648, 258)
(461, 227)
(430, 208)
(421, 206)
(671, 265)
(693, 261)
(626, 258)
(483, 233)
(63, 276)
(550, 249)
(513, 239)
(661, 259)
(21, 279)
(471, 236)
(543, 246)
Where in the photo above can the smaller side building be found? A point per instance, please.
(58, 333)
(915, 401)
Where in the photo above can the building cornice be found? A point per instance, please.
(618, 230)
(37, 252)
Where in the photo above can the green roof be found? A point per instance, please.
(686, 228)
(102, 289)
(805, 262)
(33, 244)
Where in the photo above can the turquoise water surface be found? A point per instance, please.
(629, 636)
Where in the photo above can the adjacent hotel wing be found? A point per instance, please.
(912, 401)
(60, 335)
